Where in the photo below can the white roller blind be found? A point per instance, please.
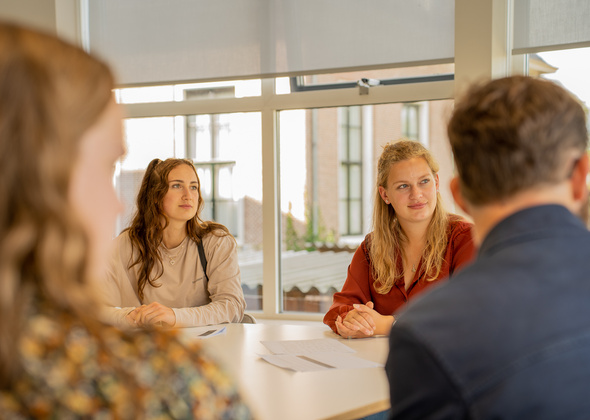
(152, 41)
(544, 25)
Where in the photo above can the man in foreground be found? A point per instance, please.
(508, 336)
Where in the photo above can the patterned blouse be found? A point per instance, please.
(69, 374)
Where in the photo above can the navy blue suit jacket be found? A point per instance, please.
(509, 336)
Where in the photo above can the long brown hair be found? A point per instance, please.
(146, 231)
(51, 93)
(388, 238)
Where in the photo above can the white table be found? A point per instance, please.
(275, 393)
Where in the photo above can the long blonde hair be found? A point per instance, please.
(51, 93)
(388, 238)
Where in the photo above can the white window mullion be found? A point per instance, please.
(270, 207)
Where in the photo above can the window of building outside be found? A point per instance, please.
(411, 121)
(207, 136)
(350, 153)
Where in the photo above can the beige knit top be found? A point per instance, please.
(183, 286)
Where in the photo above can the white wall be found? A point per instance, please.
(36, 13)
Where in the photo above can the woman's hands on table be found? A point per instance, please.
(363, 321)
(154, 314)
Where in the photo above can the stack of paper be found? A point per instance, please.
(312, 355)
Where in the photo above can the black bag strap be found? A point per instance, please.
(203, 259)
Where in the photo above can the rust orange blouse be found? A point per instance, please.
(359, 287)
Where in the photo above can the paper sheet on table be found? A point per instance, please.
(204, 332)
(312, 355)
(318, 361)
(320, 345)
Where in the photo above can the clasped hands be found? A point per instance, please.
(152, 315)
(363, 321)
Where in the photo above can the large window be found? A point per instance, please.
(463, 43)
(297, 230)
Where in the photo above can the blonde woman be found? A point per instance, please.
(414, 244)
(60, 136)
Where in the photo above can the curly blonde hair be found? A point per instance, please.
(51, 93)
(388, 238)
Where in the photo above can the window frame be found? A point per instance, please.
(483, 49)
(268, 104)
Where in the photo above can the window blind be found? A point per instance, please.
(545, 25)
(154, 41)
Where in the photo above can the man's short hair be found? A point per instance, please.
(512, 134)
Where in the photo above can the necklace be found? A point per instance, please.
(172, 257)
(413, 266)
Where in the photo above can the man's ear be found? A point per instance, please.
(579, 176)
(458, 195)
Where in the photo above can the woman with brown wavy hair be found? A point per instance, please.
(60, 136)
(414, 244)
(156, 275)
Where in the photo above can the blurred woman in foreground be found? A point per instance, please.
(60, 135)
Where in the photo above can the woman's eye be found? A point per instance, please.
(175, 185)
(403, 186)
(194, 187)
(425, 181)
